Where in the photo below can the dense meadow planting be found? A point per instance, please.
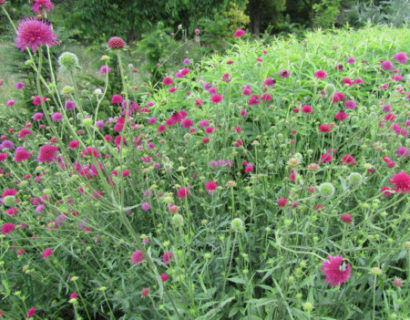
(268, 183)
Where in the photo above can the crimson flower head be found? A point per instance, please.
(167, 256)
(321, 74)
(337, 270)
(239, 33)
(401, 182)
(31, 312)
(211, 186)
(39, 5)
(116, 43)
(216, 98)
(137, 256)
(47, 153)
(21, 154)
(35, 32)
(183, 192)
(348, 160)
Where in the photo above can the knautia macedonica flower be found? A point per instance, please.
(39, 5)
(401, 182)
(337, 270)
(33, 33)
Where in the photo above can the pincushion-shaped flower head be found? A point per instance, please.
(39, 5)
(401, 182)
(35, 32)
(337, 270)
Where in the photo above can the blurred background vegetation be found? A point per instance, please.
(161, 34)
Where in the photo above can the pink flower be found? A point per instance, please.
(211, 186)
(284, 73)
(35, 32)
(401, 182)
(105, 69)
(73, 295)
(351, 60)
(116, 43)
(21, 154)
(386, 191)
(350, 104)
(47, 153)
(348, 159)
(402, 151)
(38, 116)
(31, 312)
(116, 98)
(7, 228)
(47, 252)
(270, 82)
(187, 123)
(167, 81)
(39, 5)
(341, 116)
(338, 96)
(3, 156)
(346, 217)
(164, 277)
(10, 103)
(325, 128)
(73, 144)
(387, 65)
(197, 31)
(183, 192)
(56, 116)
(37, 100)
(167, 256)
(282, 202)
(216, 98)
(326, 157)
(144, 292)
(307, 109)
(255, 99)
(266, 97)
(146, 206)
(337, 270)
(69, 105)
(321, 74)
(137, 256)
(239, 33)
(401, 57)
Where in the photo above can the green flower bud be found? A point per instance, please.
(67, 90)
(355, 178)
(68, 61)
(330, 90)
(178, 220)
(9, 201)
(237, 225)
(88, 122)
(327, 189)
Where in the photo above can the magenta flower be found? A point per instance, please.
(47, 153)
(137, 256)
(216, 98)
(321, 74)
(34, 32)
(47, 252)
(239, 33)
(387, 65)
(39, 5)
(167, 256)
(401, 57)
(7, 228)
(401, 182)
(337, 270)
